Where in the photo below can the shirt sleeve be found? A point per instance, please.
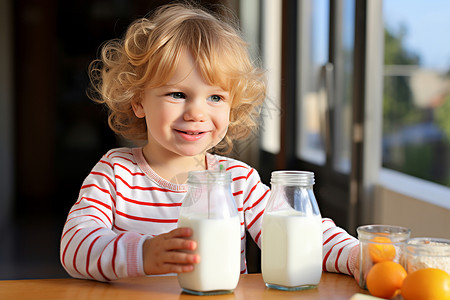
(90, 248)
(256, 195)
(340, 249)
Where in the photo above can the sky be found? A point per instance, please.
(428, 24)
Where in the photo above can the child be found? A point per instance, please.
(181, 81)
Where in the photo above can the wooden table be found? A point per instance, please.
(251, 286)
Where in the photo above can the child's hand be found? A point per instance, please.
(164, 253)
(357, 266)
(354, 257)
(356, 273)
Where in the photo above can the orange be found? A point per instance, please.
(385, 279)
(426, 284)
(381, 249)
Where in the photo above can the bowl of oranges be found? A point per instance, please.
(392, 265)
(379, 244)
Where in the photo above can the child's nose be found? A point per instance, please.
(195, 111)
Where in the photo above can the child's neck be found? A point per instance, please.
(175, 168)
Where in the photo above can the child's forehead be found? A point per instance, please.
(188, 65)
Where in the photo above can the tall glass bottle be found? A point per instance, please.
(292, 233)
(209, 209)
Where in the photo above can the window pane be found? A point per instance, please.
(313, 54)
(271, 56)
(416, 108)
(343, 77)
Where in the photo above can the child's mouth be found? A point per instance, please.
(191, 132)
(191, 135)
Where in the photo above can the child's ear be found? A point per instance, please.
(138, 108)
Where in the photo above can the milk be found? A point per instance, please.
(219, 247)
(291, 249)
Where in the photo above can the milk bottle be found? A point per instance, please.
(209, 209)
(292, 233)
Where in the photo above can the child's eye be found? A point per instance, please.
(177, 95)
(215, 98)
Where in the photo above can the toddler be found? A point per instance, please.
(182, 82)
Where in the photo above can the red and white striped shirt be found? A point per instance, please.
(123, 202)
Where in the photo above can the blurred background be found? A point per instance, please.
(359, 93)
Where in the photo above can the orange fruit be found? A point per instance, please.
(426, 284)
(385, 279)
(381, 249)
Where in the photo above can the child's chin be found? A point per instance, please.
(193, 152)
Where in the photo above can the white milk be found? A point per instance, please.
(219, 247)
(291, 249)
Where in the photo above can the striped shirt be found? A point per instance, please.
(122, 202)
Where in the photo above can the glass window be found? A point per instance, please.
(271, 56)
(325, 82)
(416, 92)
(313, 55)
(344, 28)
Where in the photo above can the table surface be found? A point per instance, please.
(251, 286)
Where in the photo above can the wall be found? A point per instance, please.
(424, 219)
(6, 119)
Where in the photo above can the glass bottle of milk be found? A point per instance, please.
(209, 209)
(292, 233)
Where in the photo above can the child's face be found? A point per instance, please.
(186, 116)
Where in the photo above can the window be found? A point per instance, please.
(271, 57)
(416, 89)
(325, 70)
(397, 130)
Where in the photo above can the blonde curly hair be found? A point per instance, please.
(148, 55)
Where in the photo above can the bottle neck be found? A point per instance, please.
(292, 178)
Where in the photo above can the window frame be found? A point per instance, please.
(374, 173)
